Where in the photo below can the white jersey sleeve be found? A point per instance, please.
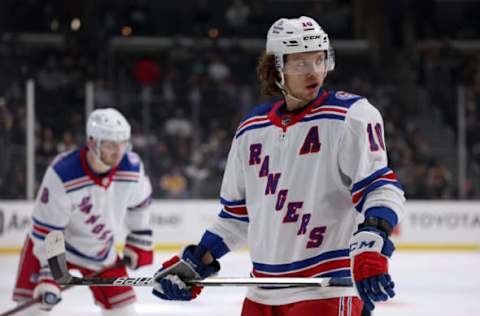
(363, 164)
(138, 214)
(229, 232)
(52, 211)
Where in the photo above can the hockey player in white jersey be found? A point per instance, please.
(90, 194)
(306, 187)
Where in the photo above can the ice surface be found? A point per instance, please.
(439, 284)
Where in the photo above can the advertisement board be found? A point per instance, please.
(427, 225)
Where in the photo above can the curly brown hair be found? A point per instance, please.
(268, 74)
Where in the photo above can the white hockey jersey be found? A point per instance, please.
(90, 209)
(296, 186)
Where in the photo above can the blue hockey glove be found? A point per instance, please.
(168, 281)
(370, 250)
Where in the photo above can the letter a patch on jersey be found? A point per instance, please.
(311, 143)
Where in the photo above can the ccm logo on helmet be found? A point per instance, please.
(312, 37)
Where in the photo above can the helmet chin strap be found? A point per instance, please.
(291, 96)
(286, 93)
(284, 90)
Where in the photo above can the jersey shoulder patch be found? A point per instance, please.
(68, 166)
(343, 95)
(130, 162)
(341, 98)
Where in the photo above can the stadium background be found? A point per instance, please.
(183, 72)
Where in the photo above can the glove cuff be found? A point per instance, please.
(371, 240)
(142, 239)
(193, 255)
(45, 276)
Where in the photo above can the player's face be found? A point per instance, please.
(111, 152)
(304, 74)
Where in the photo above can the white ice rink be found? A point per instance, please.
(437, 284)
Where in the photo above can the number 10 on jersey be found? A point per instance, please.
(375, 137)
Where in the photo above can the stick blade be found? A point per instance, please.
(55, 246)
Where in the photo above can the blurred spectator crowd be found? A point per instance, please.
(184, 102)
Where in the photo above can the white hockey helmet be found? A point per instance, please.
(304, 34)
(108, 124)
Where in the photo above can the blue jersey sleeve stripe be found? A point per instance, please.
(38, 236)
(383, 212)
(39, 223)
(146, 232)
(215, 244)
(226, 215)
(232, 203)
(369, 179)
(373, 187)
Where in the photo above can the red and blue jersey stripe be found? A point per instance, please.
(257, 118)
(327, 105)
(236, 210)
(77, 184)
(332, 112)
(255, 122)
(40, 229)
(379, 178)
(75, 172)
(126, 176)
(334, 263)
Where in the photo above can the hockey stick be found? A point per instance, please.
(32, 302)
(55, 245)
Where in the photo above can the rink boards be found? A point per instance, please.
(427, 225)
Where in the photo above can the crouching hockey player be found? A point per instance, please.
(89, 194)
